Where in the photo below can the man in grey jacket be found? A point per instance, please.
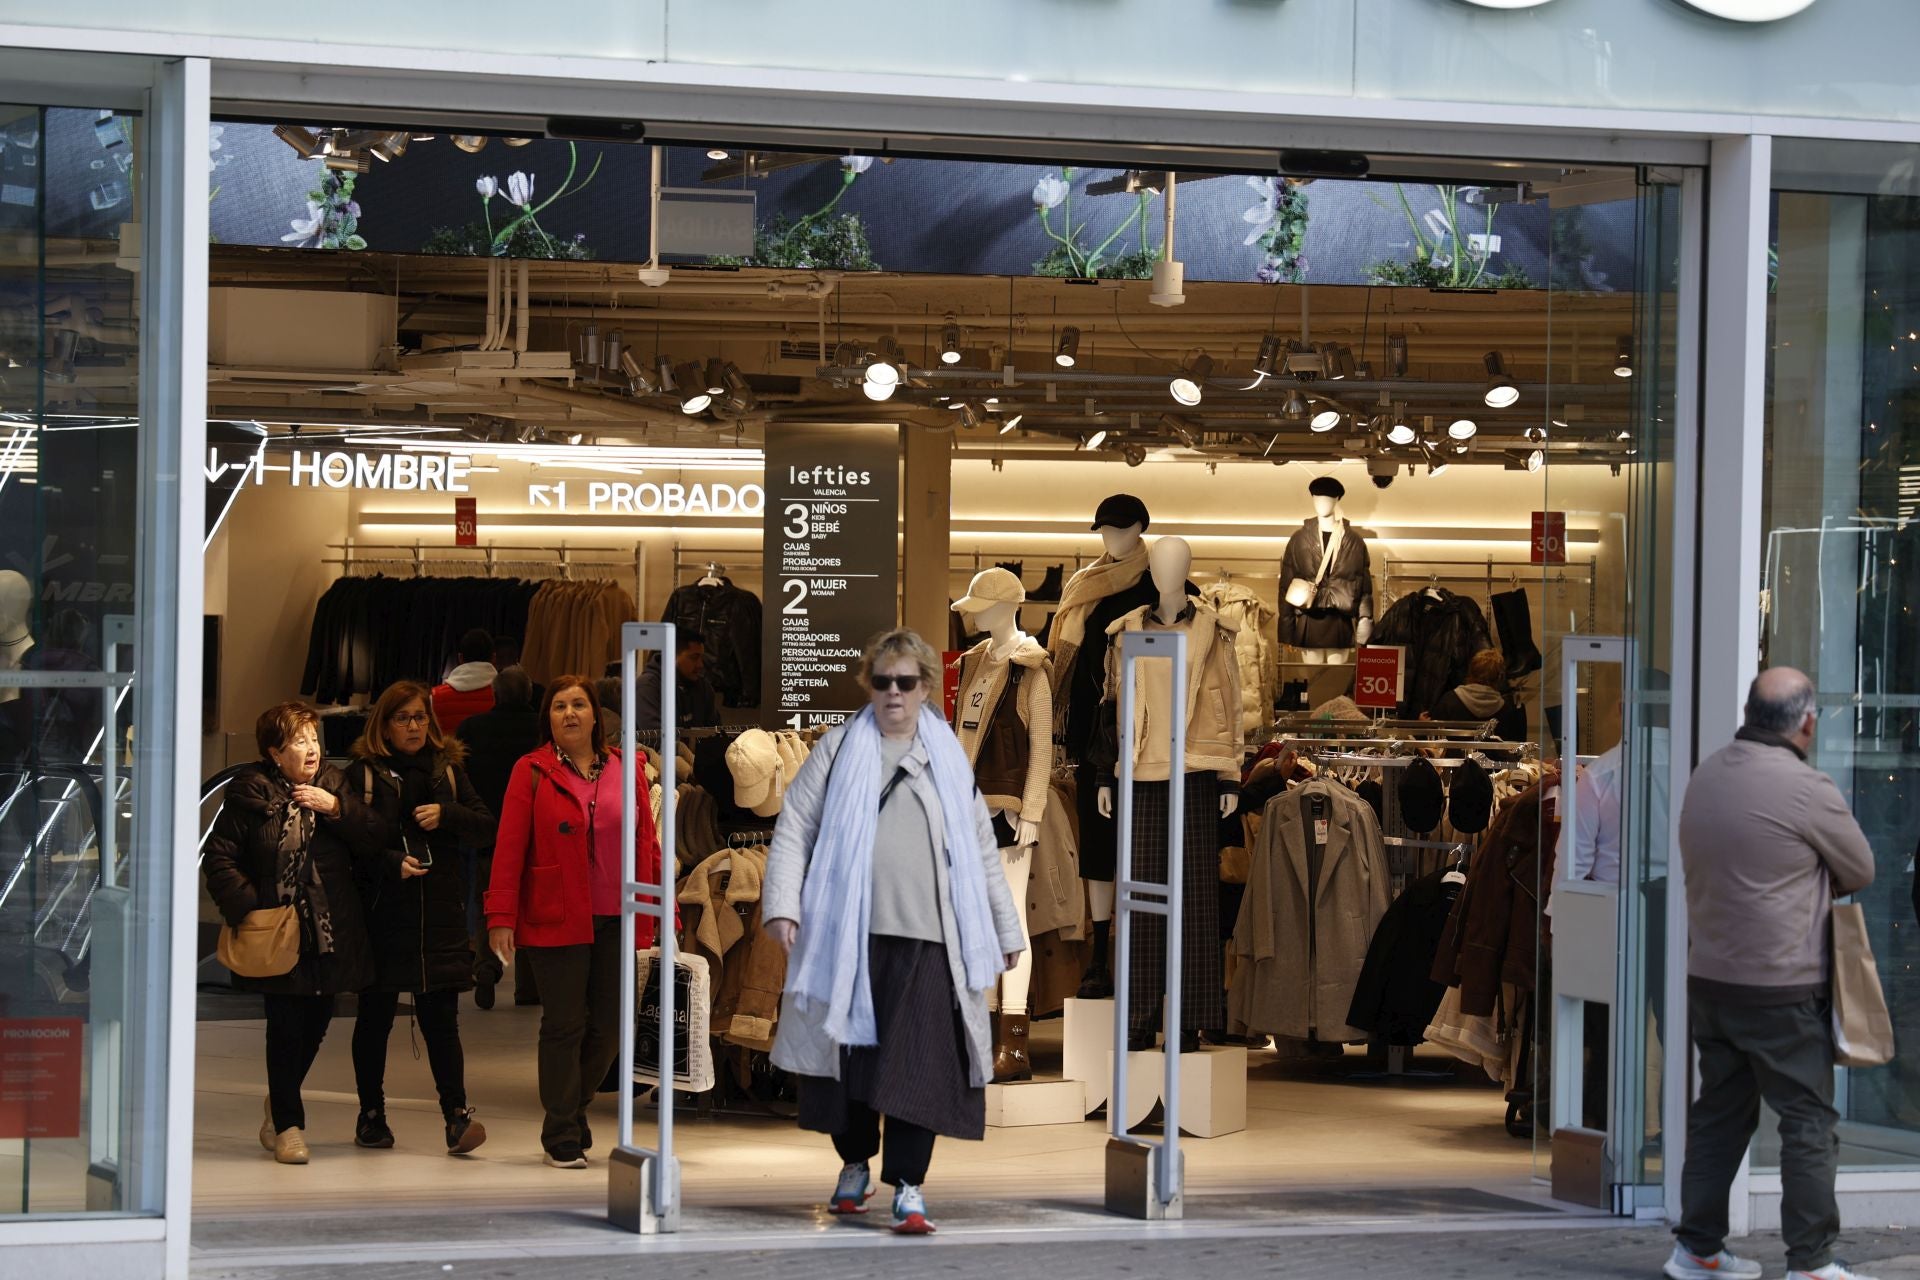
(1768, 842)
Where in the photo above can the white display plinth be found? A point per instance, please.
(1031, 1102)
(1213, 1089)
(1087, 1049)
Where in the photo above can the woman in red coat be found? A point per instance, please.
(555, 899)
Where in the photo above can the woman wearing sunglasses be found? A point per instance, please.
(885, 887)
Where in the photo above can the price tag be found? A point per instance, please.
(1379, 675)
(466, 523)
(1320, 829)
(1549, 537)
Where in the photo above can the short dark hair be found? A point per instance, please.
(687, 637)
(476, 646)
(512, 687)
(506, 651)
(277, 725)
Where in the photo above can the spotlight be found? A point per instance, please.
(691, 385)
(1624, 434)
(469, 142)
(1268, 359)
(663, 367)
(970, 415)
(1463, 428)
(1095, 440)
(1189, 385)
(1296, 405)
(516, 142)
(883, 364)
(1623, 356)
(1536, 460)
(716, 153)
(348, 162)
(1067, 352)
(305, 142)
(1535, 435)
(1134, 454)
(1501, 393)
(1011, 423)
(950, 343)
(1326, 420)
(740, 395)
(716, 377)
(1397, 356)
(1401, 432)
(637, 381)
(391, 146)
(879, 390)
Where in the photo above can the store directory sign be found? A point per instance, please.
(831, 585)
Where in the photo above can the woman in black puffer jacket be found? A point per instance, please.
(410, 774)
(288, 832)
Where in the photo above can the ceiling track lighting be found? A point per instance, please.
(1134, 455)
(1267, 361)
(716, 376)
(305, 142)
(1011, 423)
(471, 143)
(1397, 355)
(716, 153)
(885, 367)
(1623, 356)
(739, 393)
(1326, 420)
(950, 342)
(1304, 362)
(1535, 435)
(348, 162)
(1463, 429)
(971, 415)
(1189, 385)
(1536, 460)
(1501, 393)
(1095, 440)
(638, 383)
(1296, 405)
(878, 391)
(1401, 431)
(690, 384)
(1066, 353)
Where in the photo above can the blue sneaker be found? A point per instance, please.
(852, 1192)
(910, 1212)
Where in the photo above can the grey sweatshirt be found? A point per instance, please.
(1768, 842)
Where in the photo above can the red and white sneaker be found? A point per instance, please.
(910, 1212)
(852, 1192)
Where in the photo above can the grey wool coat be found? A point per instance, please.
(802, 1043)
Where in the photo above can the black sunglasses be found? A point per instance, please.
(905, 684)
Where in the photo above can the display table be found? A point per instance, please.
(1032, 1102)
(1213, 1081)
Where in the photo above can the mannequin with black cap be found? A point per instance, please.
(1326, 582)
(1208, 772)
(1004, 720)
(1095, 597)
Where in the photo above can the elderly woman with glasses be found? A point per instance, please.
(414, 778)
(884, 885)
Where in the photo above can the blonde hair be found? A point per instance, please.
(902, 642)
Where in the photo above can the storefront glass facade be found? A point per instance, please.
(1843, 455)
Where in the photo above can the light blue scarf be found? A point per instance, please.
(829, 968)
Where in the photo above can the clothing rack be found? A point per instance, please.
(486, 559)
(713, 560)
(748, 839)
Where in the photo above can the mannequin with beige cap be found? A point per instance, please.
(1004, 720)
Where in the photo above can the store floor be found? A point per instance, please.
(1425, 1146)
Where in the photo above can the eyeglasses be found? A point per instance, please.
(401, 717)
(905, 684)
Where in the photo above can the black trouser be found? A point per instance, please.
(296, 1026)
(909, 1147)
(1782, 1053)
(438, 1013)
(579, 1025)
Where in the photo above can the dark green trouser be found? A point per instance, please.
(1784, 1054)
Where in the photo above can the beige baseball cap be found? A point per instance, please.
(988, 588)
(754, 761)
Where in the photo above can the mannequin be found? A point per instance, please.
(1208, 773)
(1004, 720)
(1110, 587)
(16, 601)
(1326, 582)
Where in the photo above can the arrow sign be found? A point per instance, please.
(548, 495)
(216, 468)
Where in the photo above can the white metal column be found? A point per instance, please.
(171, 585)
(643, 1183)
(1146, 1179)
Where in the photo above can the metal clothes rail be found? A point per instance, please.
(562, 561)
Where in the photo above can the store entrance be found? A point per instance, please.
(1407, 430)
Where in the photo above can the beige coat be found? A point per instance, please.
(1214, 739)
(1253, 650)
(1296, 963)
(1036, 716)
(1055, 899)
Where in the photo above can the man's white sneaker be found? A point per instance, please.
(1835, 1270)
(1719, 1266)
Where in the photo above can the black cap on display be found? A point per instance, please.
(1376, 797)
(1327, 487)
(1121, 511)
(1470, 802)
(1422, 799)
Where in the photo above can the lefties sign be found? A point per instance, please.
(1731, 10)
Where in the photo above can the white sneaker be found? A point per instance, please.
(910, 1212)
(1720, 1266)
(1835, 1270)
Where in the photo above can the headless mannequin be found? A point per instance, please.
(1169, 562)
(1001, 622)
(16, 600)
(1328, 510)
(1119, 543)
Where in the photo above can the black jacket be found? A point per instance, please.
(728, 620)
(418, 926)
(1396, 996)
(1510, 721)
(240, 863)
(694, 705)
(495, 741)
(1344, 595)
(1441, 632)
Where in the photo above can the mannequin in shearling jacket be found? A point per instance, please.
(1326, 582)
(1004, 720)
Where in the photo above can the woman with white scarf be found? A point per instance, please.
(884, 885)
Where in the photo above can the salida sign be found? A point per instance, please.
(1732, 10)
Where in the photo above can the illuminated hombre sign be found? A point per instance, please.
(1732, 10)
(350, 469)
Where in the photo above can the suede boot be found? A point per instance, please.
(1011, 1061)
